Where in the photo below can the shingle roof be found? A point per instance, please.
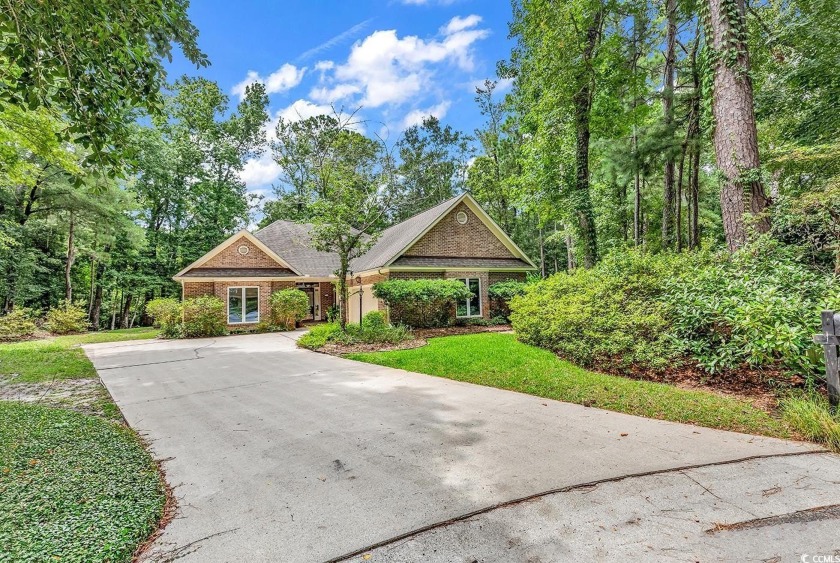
(293, 243)
(395, 238)
(449, 262)
(239, 273)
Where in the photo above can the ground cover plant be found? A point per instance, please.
(373, 330)
(499, 360)
(73, 487)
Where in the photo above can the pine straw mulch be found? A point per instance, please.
(762, 388)
(420, 338)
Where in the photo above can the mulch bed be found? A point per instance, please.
(760, 387)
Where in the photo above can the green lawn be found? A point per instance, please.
(499, 360)
(60, 357)
(73, 487)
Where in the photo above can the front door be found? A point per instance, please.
(310, 290)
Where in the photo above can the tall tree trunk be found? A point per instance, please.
(571, 264)
(71, 257)
(126, 311)
(96, 307)
(542, 253)
(735, 135)
(584, 212)
(669, 202)
(679, 195)
(694, 146)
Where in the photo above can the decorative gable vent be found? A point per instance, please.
(461, 217)
(243, 249)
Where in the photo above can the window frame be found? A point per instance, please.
(470, 300)
(244, 289)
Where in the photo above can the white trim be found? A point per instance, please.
(483, 216)
(227, 242)
(470, 300)
(244, 300)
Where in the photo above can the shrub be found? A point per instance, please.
(17, 325)
(67, 318)
(166, 313)
(287, 307)
(374, 320)
(759, 307)
(421, 303)
(319, 335)
(500, 294)
(204, 316)
(333, 311)
(610, 315)
(810, 415)
(374, 330)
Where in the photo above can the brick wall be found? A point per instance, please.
(229, 257)
(483, 281)
(278, 285)
(327, 297)
(505, 276)
(451, 239)
(196, 289)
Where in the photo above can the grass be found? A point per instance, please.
(73, 487)
(811, 416)
(499, 360)
(60, 357)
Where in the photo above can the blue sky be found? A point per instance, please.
(397, 60)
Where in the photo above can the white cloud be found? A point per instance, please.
(284, 78)
(303, 109)
(459, 24)
(416, 117)
(388, 69)
(260, 171)
(324, 65)
(335, 94)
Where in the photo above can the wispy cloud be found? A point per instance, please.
(337, 40)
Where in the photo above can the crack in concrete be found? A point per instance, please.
(830, 512)
(566, 489)
(195, 351)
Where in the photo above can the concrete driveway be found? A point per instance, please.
(280, 454)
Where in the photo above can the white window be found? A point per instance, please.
(243, 305)
(471, 306)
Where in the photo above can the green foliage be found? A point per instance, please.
(319, 335)
(92, 61)
(500, 294)
(166, 313)
(812, 417)
(333, 311)
(610, 315)
(67, 318)
(374, 320)
(421, 303)
(204, 316)
(17, 325)
(75, 487)
(758, 307)
(498, 360)
(374, 330)
(287, 307)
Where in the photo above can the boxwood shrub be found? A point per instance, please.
(204, 316)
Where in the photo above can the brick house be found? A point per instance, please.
(453, 240)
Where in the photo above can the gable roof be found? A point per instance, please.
(290, 244)
(227, 242)
(394, 240)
